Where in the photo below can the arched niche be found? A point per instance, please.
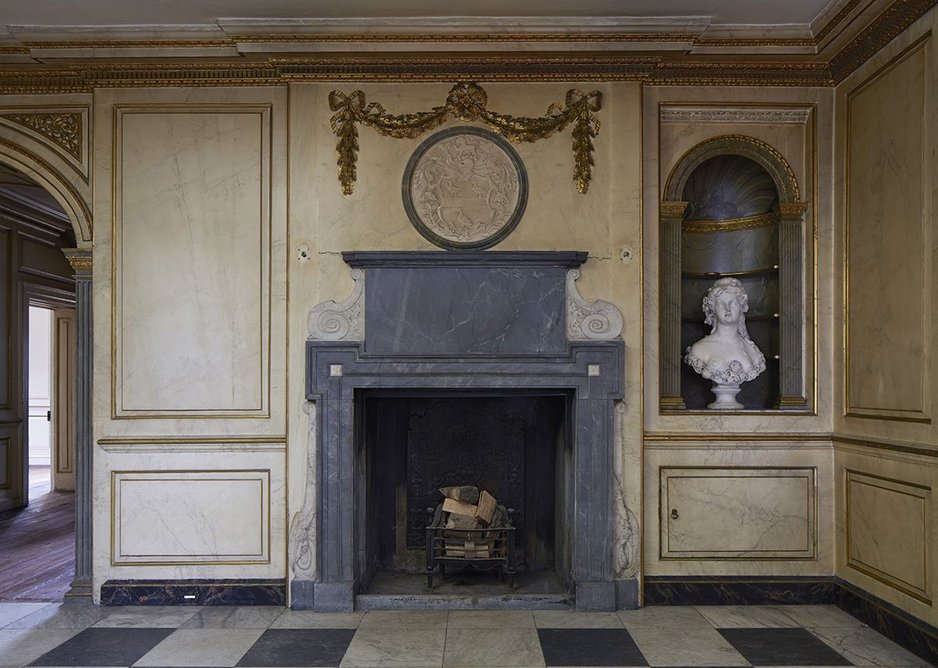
(758, 205)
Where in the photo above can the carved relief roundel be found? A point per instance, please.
(465, 188)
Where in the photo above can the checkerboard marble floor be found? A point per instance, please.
(50, 634)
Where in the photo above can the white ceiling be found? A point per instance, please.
(202, 12)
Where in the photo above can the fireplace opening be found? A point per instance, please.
(516, 445)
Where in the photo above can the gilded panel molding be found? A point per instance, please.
(62, 129)
(467, 102)
(904, 447)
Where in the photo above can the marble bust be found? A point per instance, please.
(727, 355)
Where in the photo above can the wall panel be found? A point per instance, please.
(5, 464)
(191, 332)
(888, 257)
(887, 530)
(6, 321)
(190, 517)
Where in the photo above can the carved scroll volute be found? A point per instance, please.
(340, 321)
(590, 321)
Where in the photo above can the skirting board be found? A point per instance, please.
(894, 623)
(194, 592)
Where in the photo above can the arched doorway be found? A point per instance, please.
(37, 522)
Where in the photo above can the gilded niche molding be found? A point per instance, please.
(734, 116)
(62, 129)
(467, 102)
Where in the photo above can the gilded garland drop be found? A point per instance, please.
(467, 103)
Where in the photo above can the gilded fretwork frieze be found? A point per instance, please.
(467, 102)
(62, 129)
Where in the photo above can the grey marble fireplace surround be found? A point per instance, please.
(460, 320)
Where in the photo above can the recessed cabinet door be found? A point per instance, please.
(738, 513)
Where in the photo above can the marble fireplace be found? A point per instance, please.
(464, 328)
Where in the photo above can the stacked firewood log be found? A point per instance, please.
(471, 512)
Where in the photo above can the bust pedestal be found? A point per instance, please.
(726, 397)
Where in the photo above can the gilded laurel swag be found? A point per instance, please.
(467, 102)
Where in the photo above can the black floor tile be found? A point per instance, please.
(590, 647)
(782, 647)
(104, 647)
(299, 647)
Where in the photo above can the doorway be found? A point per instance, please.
(38, 386)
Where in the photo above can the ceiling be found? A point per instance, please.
(187, 12)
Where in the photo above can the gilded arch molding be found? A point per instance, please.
(54, 180)
(749, 147)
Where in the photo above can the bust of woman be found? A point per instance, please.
(727, 355)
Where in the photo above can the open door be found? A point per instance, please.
(64, 349)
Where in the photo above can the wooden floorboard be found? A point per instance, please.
(37, 544)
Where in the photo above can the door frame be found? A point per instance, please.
(29, 294)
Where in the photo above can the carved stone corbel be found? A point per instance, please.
(590, 321)
(342, 321)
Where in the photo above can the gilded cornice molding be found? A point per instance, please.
(467, 102)
(677, 73)
(836, 20)
(734, 116)
(81, 261)
(598, 63)
(887, 26)
(62, 129)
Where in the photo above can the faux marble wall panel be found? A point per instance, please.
(746, 506)
(186, 517)
(191, 261)
(887, 530)
(761, 513)
(887, 524)
(888, 261)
